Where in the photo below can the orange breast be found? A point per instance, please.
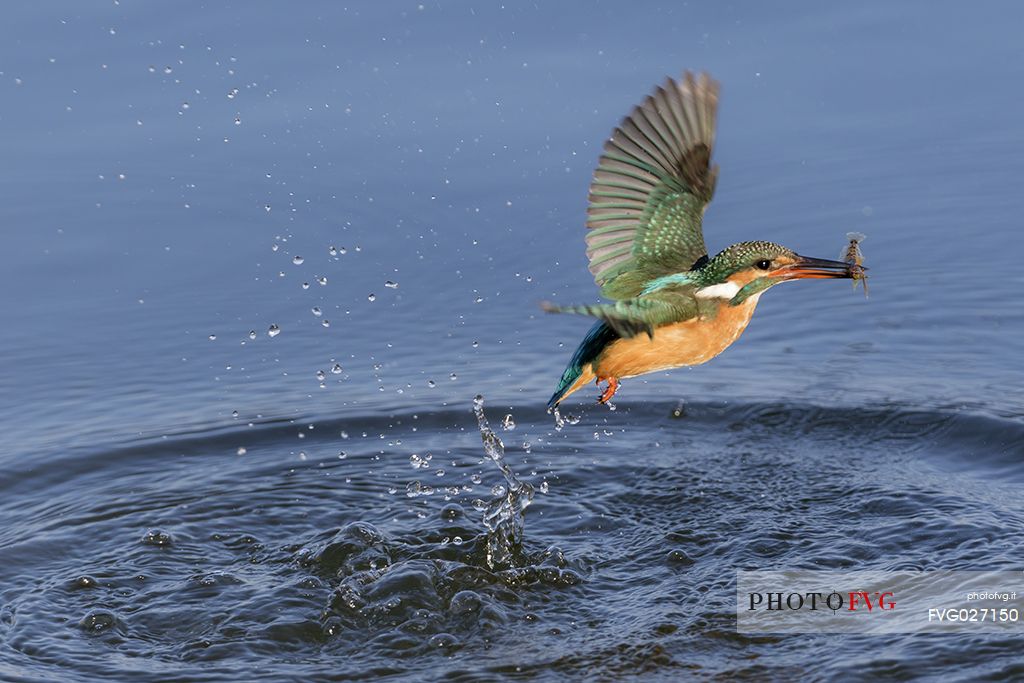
(681, 344)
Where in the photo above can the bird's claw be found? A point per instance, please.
(606, 395)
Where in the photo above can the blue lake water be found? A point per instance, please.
(180, 501)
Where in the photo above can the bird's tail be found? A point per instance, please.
(573, 379)
(580, 370)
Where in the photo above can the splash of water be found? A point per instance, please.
(503, 516)
(561, 421)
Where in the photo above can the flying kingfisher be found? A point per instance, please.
(674, 306)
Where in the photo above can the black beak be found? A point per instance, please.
(817, 268)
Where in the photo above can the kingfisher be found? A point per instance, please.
(674, 306)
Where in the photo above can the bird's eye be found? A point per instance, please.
(764, 264)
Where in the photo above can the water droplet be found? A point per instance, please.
(158, 538)
(391, 285)
(275, 247)
(241, 450)
(316, 311)
(99, 621)
(297, 260)
(416, 461)
(508, 423)
(372, 297)
(273, 331)
(266, 207)
(305, 285)
(321, 280)
(321, 375)
(475, 478)
(152, 69)
(453, 377)
(185, 105)
(342, 250)
(326, 323)
(431, 383)
(478, 300)
(213, 337)
(562, 420)
(475, 344)
(234, 413)
(498, 491)
(238, 120)
(252, 334)
(168, 70)
(84, 582)
(233, 93)
(332, 250)
(544, 487)
(413, 489)
(336, 369)
(342, 455)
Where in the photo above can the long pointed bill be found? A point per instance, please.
(817, 268)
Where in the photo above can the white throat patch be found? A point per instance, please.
(723, 290)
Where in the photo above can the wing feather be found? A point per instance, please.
(651, 186)
(668, 109)
(629, 317)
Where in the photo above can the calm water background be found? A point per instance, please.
(164, 165)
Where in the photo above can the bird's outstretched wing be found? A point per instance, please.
(630, 317)
(651, 186)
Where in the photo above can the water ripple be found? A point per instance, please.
(185, 553)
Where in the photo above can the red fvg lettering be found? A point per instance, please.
(863, 598)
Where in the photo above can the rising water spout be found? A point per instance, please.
(503, 516)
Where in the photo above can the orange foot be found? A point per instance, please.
(606, 395)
